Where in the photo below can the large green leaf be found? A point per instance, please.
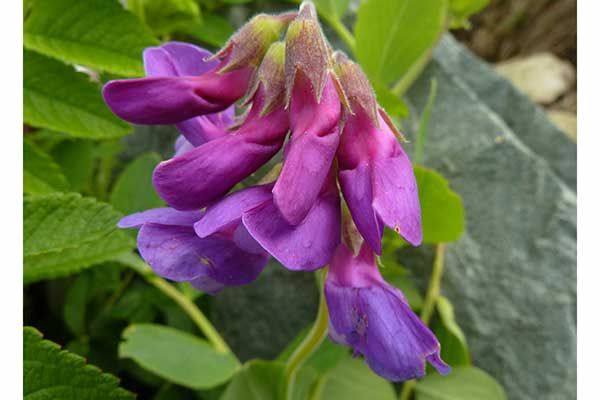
(463, 383)
(52, 373)
(41, 175)
(78, 161)
(133, 190)
(257, 380)
(167, 16)
(352, 379)
(391, 36)
(177, 356)
(96, 33)
(441, 207)
(64, 233)
(57, 97)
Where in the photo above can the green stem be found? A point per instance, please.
(433, 292)
(338, 26)
(185, 303)
(311, 342)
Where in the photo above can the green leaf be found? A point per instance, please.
(391, 36)
(257, 380)
(41, 175)
(441, 208)
(235, 1)
(75, 304)
(332, 9)
(96, 33)
(391, 103)
(463, 383)
(57, 97)
(213, 30)
(52, 373)
(398, 277)
(455, 351)
(352, 379)
(177, 356)
(78, 161)
(424, 123)
(167, 16)
(64, 233)
(461, 10)
(133, 190)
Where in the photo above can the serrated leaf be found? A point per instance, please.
(391, 36)
(133, 190)
(96, 33)
(41, 175)
(52, 373)
(64, 233)
(177, 356)
(57, 97)
(463, 383)
(213, 30)
(455, 351)
(441, 208)
(352, 379)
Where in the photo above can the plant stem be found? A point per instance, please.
(433, 292)
(172, 292)
(310, 343)
(338, 26)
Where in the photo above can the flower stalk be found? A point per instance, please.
(311, 342)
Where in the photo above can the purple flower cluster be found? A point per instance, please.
(213, 238)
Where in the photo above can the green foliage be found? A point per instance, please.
(392, 36)
(452, 339)
(41, 175)
(257, 380)
(167, 16)
(400, 278)
(95, 33)
(133, 190)
(52, 373)
(441, 208)
(461, 10)
(213, 30)
(57, 97)
(64, 233)
(77, 159)
(352, 379)
(177, 356)
(332, 9)
(390, 102)
(463, 383)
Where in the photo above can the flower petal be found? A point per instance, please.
(177, 253)
(356, 187)
(306, 246)
(195, 179)
(163, 216)
(177, 59)
(228, 212)
(396, 197)
(182, 145)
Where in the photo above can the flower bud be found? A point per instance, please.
(271, 78)
(248, 45)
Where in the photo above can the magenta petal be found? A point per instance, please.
(177, 253)
(182, 145)
(306, 246)
(357, 190)
(163, 216)
(177, 59)
(396, 197)
(157, 100)
(228, 212)
(208, 127)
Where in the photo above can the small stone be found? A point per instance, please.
(543, 76)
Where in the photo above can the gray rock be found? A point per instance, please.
(512, 276)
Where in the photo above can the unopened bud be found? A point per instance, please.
(307, 51)
(248, 45)
(271, 78)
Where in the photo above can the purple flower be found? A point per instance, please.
(314, 109)
(373, 317)
(375, 174)
(306, 246)
(168, 243)
(168, 97)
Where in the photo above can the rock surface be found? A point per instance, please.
(512, 276)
